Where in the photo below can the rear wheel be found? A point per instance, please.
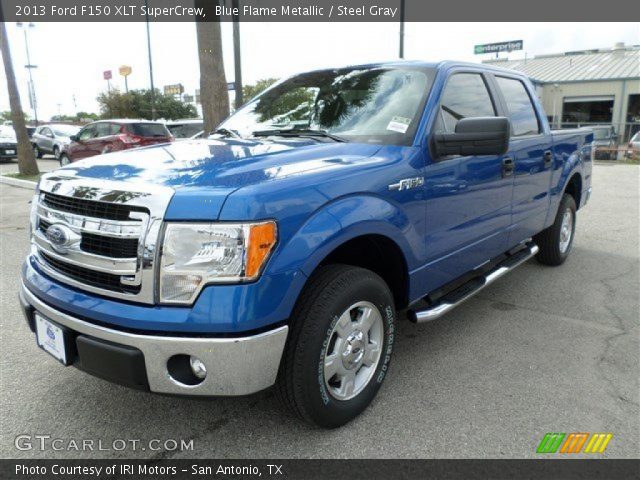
(64, 160)
(556, 241)
(339, 347)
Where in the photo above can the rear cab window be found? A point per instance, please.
(148, 129)
(524, 120)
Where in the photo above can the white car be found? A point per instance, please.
(52, 139)
(633, 149)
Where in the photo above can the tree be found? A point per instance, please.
(6, 116)
(26, 159)
(137, 104)
(214, 96)
(251, 91)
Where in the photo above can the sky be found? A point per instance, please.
(72, 56)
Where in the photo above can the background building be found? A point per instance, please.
(587, 87)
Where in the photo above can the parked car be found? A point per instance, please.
(280, 253)
(181, 129)
(8, 143)
(633, 149)
(52, 139)
(30, 131)
(107, 136)
(605, 142)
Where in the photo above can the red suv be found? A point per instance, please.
(113, 135)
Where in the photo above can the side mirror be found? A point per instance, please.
(73, 138)
(475, 136)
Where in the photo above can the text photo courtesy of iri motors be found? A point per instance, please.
(297, 239)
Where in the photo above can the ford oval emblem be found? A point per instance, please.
(59, 236)
(50, 333)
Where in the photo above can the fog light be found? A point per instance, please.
(197, 367)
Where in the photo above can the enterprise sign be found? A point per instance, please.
(498, 47)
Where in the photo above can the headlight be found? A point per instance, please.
(195, 254)
(33, 214)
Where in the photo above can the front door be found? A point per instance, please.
(82, 147)
(468, 206)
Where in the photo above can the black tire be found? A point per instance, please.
(301, 384)
(549, 240)
(37, 152)
(56, 153)
(64, 160)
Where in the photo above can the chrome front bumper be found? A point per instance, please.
(235, 366)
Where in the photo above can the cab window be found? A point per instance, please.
(465, 95)
(87, 133)
(524, 120)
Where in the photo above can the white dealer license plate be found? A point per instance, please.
(50, 338)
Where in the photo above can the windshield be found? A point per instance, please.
(372, 105)
(65, 130)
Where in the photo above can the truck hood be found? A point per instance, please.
(205, 172)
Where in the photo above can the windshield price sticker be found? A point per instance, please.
(399, 124)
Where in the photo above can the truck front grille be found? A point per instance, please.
(99, 235)
(99, 248)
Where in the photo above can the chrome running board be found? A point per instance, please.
(473, 286)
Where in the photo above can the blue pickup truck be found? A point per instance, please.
(279, 250)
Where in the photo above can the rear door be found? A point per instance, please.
(531, 148)
(468, 197)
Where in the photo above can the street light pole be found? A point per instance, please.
(236, 55)
(153, 89)
(32, 89)
(402, 28)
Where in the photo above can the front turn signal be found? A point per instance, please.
(262, 239)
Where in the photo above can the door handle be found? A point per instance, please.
(508, 167)
(548, 158)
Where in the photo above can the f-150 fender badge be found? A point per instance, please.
(407, 183)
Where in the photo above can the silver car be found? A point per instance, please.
(52, 139)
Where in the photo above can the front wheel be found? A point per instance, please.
(339, 347)
(64, 160)
(556, 241)
(56, 153)
(37, 152)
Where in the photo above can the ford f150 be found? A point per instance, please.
(278, 251)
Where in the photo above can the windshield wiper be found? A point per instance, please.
(298, 132)
(226, 132)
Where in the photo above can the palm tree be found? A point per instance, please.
(213, 83)
(26, 160)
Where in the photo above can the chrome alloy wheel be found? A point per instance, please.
(353, 350)
(566, 230)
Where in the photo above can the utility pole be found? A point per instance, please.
(32, 88)
(26, 160)
(402, 28)
(236, 54)
(153, 88)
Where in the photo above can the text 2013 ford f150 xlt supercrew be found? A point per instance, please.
(279, 250)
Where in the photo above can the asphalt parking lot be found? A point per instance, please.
(542, 350)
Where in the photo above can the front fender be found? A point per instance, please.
(342, 220)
